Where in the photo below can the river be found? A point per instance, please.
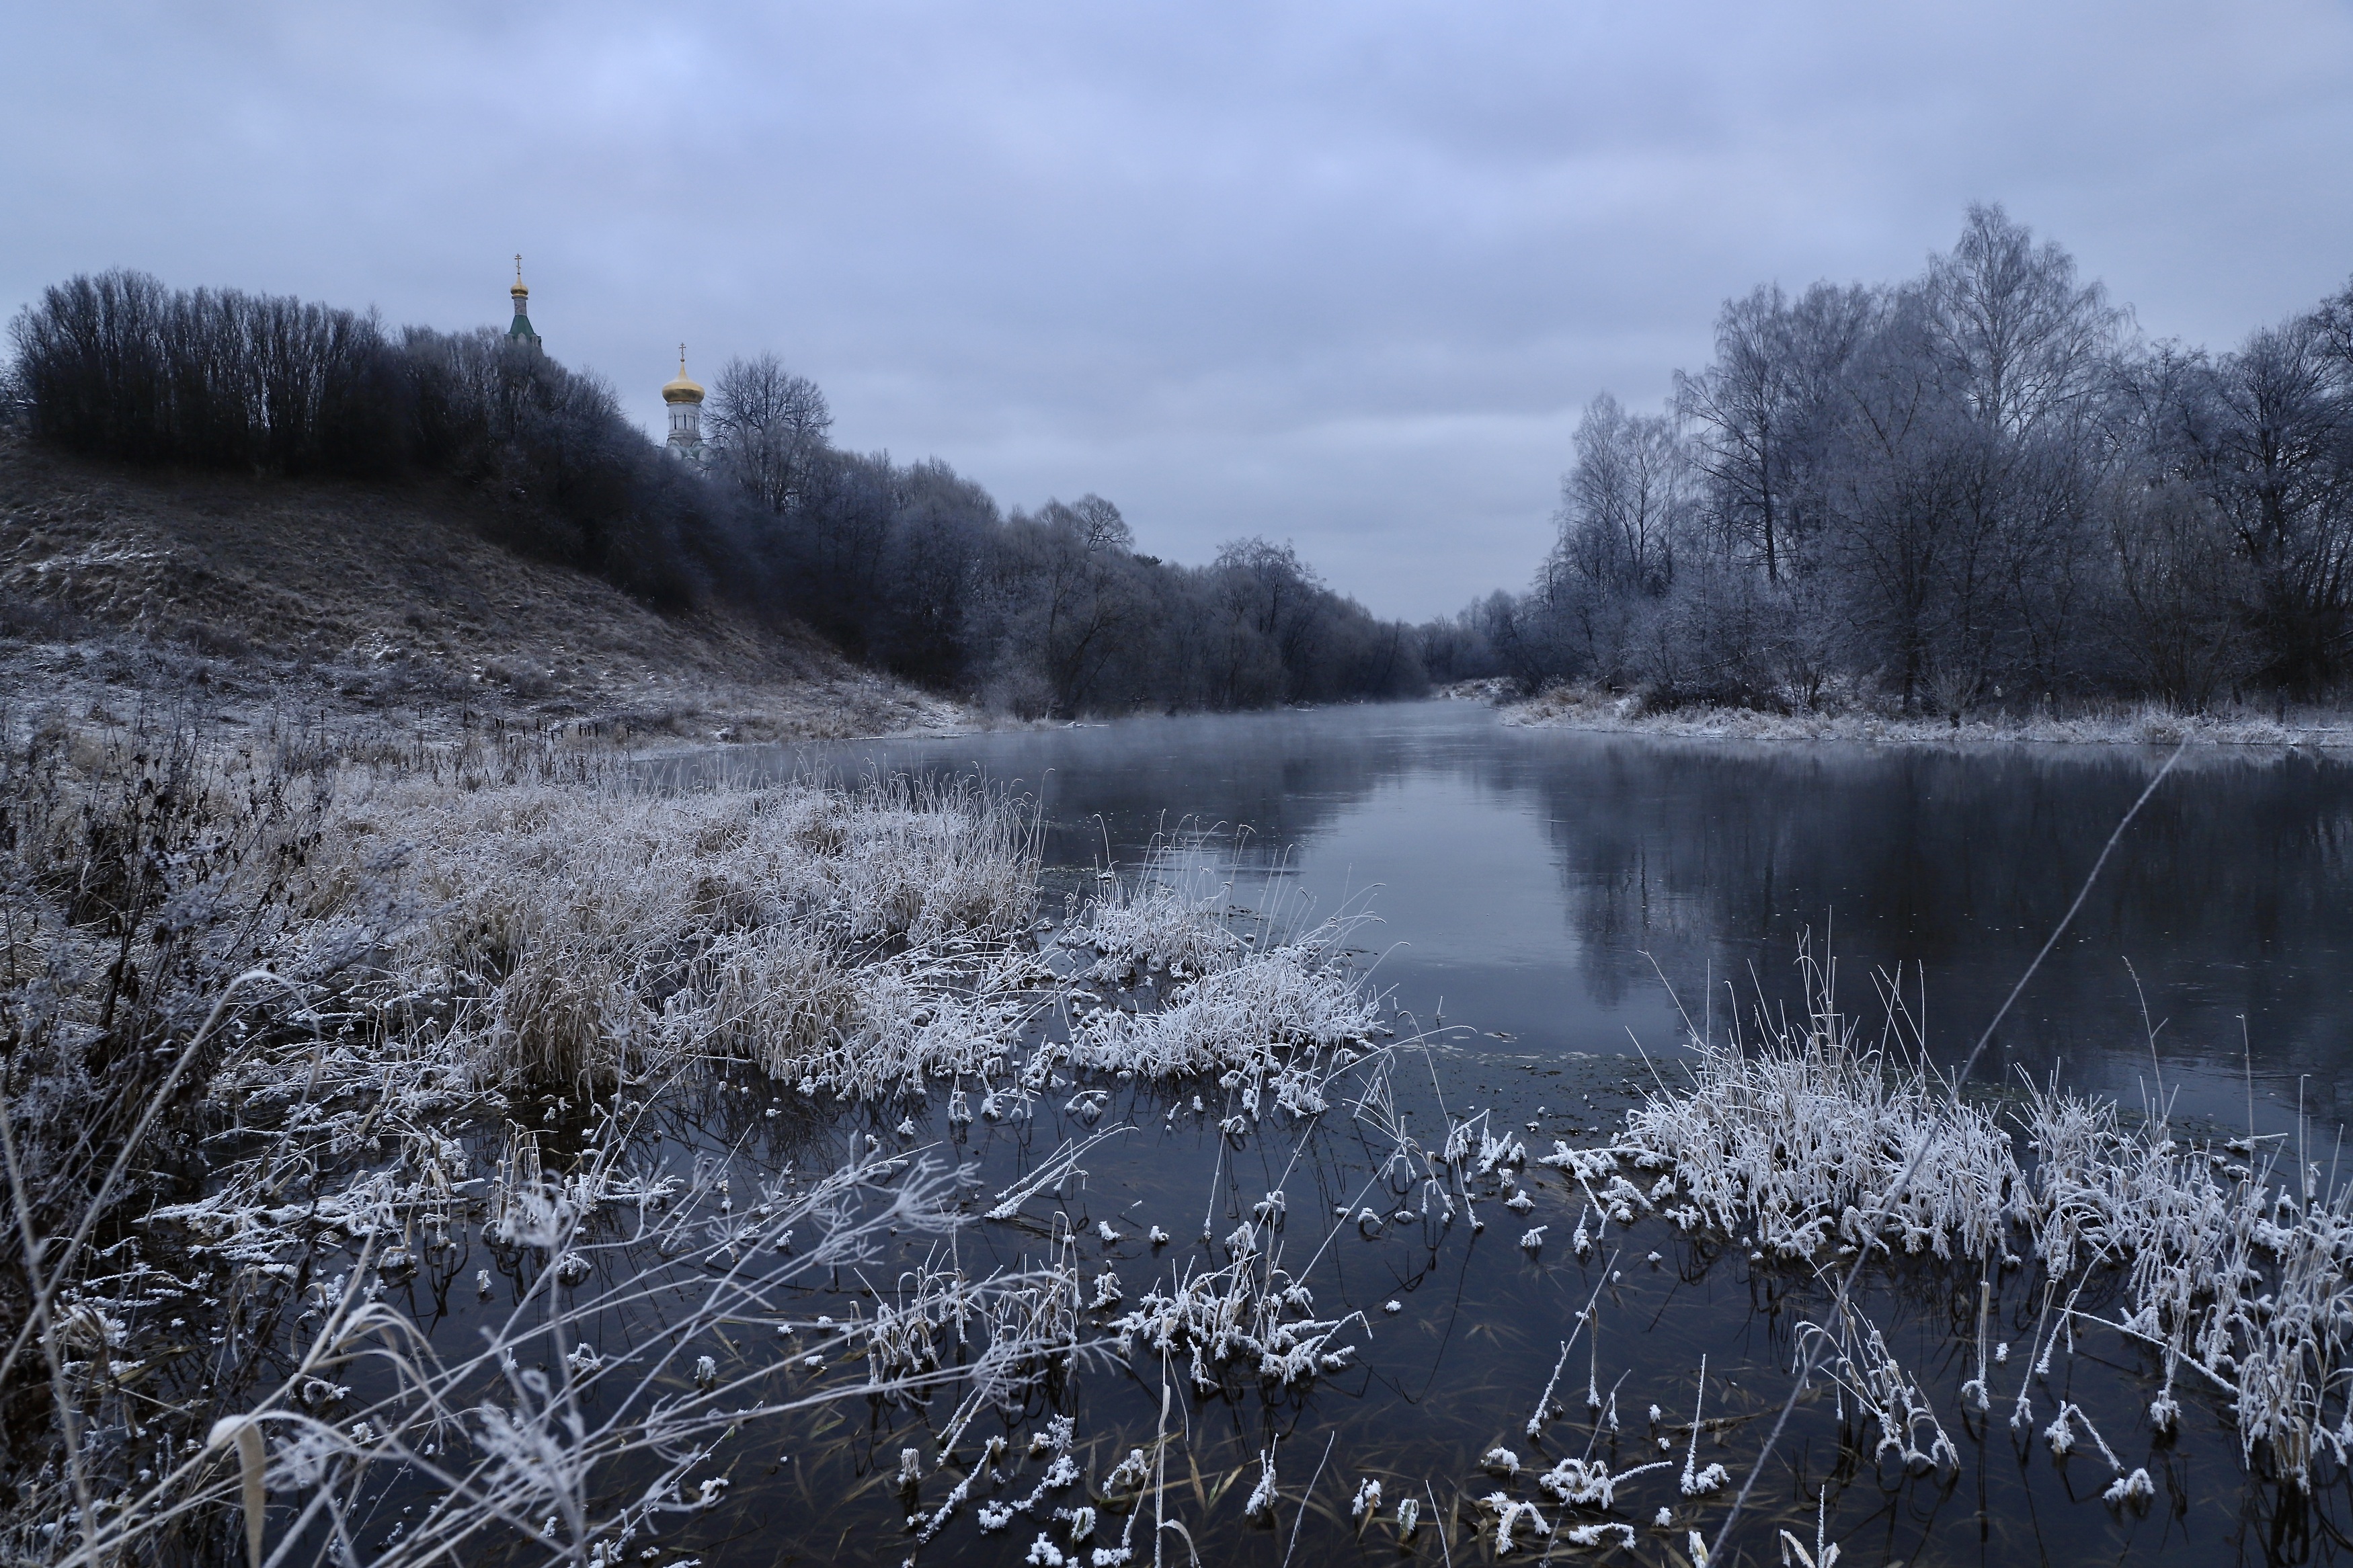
(1573, 889)
(1552, 907)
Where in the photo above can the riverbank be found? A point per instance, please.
(398, 607)
(1581, 708)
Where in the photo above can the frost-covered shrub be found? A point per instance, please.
(1296, 997)
(1150, 926)
(1805, 1133)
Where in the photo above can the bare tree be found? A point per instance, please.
(1976, 483)
(769, 426)
(2026, 345)
(2278, 451)
(1072, 596)
(1267, 589)
(1625, 506)
(2183, 585)
(1761, 414)
(1104, 527)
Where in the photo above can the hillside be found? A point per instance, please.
(244, 596)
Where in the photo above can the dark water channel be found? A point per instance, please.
(1548, 896)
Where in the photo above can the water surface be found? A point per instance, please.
(1580, 891)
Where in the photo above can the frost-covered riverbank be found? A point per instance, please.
(1580, 707)
(291, 1027)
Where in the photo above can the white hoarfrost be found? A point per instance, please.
(551, 953)
(1266, 1016)
(2235, 1269)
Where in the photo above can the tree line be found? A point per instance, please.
(1052, 611)
(1978, 486)
(911, 568)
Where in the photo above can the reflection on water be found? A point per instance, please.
(1537, 884)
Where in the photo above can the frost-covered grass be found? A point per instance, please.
(2237, 1271)
(267, 1006)
(860, 942)
(2118, 724)
(1162, 922)
(566, 935)
(1269, 1010)
(1252, 1019)
(1801, 1137)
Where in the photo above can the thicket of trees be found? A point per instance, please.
(912, 567)
(1053, 612)
(1977, 486)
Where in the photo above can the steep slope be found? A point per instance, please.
(241, 595)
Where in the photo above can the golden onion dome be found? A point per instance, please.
(519, 290)
(683, 388)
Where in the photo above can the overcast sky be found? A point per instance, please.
(1339, 273)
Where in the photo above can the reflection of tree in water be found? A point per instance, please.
(1281, 776)
(2229, 895)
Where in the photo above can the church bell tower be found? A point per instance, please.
(684, 396)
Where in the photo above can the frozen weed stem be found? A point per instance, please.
(2233, 1270)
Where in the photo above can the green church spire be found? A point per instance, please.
(520, 330)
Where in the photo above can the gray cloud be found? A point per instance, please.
(1340, 273)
